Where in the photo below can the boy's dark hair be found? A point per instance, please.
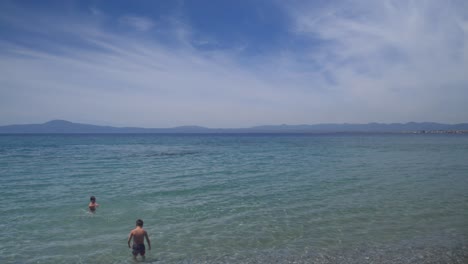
(92, 198)
(139, 223)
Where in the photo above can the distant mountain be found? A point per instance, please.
(62, 126)
(371, 127)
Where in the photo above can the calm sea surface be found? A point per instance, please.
(235, 198)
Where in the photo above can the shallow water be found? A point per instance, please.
(235, 198)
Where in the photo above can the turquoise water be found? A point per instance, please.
(235, 198)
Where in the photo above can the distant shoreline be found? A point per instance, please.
(240, 133)
(441, 132)
(66, 127)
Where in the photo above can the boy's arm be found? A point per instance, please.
(130, 239)
(147, 240)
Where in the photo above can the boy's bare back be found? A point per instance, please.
(138, 235)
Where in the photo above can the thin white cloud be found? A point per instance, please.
(139, 23)
(381, 61)
(400, 60)
(95, 11)
(140, 82)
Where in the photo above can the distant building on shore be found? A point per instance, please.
(441, 132)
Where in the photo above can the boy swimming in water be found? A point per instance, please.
(138, 244)
(92, 204)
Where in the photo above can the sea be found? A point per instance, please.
(235, 198)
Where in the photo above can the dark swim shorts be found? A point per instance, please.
(138, 249)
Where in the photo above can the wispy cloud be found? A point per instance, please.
(401, 60)
(95, 11)
(137, 22)
(138, 81)
(384, 61)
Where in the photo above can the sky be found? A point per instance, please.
(228, 64)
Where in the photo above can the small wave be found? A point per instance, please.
(171, 153)
(162, 154)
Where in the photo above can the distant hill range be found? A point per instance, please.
(66, 127)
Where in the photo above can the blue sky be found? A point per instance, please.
(233, 63)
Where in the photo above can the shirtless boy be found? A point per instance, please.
(138, 244)
(92, 204)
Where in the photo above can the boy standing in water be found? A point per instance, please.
(138, 244)
(92, 204)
